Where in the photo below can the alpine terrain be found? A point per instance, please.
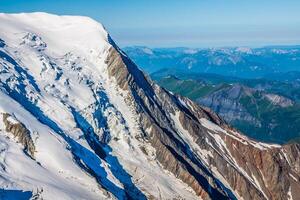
(79, 120)
(261, 109)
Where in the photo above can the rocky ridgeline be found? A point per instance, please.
(249, 170)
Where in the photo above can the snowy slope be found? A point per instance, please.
(79, 120)
(53, 66)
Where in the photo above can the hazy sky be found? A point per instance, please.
(170, 23)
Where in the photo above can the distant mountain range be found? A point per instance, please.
(260, 101)
(241, 62)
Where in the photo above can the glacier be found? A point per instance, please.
(98, 128)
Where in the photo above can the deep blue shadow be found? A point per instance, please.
(2, 43)
(20, 70)
(8, 194)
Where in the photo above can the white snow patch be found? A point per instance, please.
(285, 156)
(211, 126)
(293, 177)
(12, 120)
(243, 139)
(289, 194)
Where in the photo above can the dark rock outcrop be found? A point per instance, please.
(19, 131)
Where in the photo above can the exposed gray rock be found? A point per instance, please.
(19, 131)
(279, 100)
(226, 103)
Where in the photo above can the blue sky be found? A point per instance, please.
(171, 23)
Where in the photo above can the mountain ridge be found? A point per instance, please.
(242, 62)
(260, 108)
(102, 129)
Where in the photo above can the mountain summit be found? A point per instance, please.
(79, 120)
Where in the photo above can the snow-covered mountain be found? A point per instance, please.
(79, 120)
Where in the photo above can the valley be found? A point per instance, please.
(261, 105)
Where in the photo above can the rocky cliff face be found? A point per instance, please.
(279, 100)
(226, 102)
(233, 102)
(244, 165)
(261, 115)
(107, 131)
